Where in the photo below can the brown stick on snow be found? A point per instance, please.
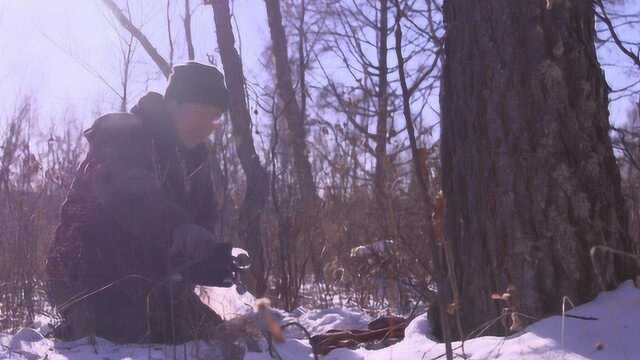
(146, 44)
(333, 339)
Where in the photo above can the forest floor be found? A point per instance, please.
(614, 335)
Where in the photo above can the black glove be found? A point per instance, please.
(199, 258)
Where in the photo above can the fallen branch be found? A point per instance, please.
(306, 333)
(333, 339)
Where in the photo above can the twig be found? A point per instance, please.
(76, 299)
(614, 35)
(581, 317)
(475, 333)
(146, 44)
(306, 333)
(273, 352)
(596, 268)
(564, 302)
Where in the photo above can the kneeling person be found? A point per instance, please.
(135, 230)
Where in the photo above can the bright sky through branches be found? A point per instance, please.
(57, 51)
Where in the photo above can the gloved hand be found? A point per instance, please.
(200, 258)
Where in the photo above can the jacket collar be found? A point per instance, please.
(153, 112)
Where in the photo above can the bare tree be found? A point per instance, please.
(33, 182)
(256, 176)
(380, 179)
(127, 47)
(290, 107)
(369, 97)
(187, 30)
(297, 134)
(626, 141)
(603, 15)
(170, 34)
(424, 190)
(617, 30)
(162, 64)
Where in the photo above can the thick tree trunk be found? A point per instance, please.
(528, 168)
(257, 178)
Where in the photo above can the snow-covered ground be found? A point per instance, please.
(615, 335)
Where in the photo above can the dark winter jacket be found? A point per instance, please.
(138, 207)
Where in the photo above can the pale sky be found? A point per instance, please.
(43, 45)
(47, 47)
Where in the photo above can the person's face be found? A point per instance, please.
(195, 122)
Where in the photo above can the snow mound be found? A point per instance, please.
(321, 321)
(418, 327)
(26, 341)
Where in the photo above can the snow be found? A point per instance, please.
(615, 335)
(226, 301)
(321, 321)
(418, 327)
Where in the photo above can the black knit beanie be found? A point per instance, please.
(199, 83)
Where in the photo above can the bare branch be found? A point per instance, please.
(169, 34)
(187, 30)
(602, 15)
(164, 66)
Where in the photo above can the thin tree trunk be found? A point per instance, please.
(170, 34)
(437, 257)
(527, 165)
(295, 123)
(256, 176)
(380, 177)
(187, 30)
(127, 57)
(302, 62)
(291, 109)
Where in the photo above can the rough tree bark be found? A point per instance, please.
(527, 165)
(257, 178)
